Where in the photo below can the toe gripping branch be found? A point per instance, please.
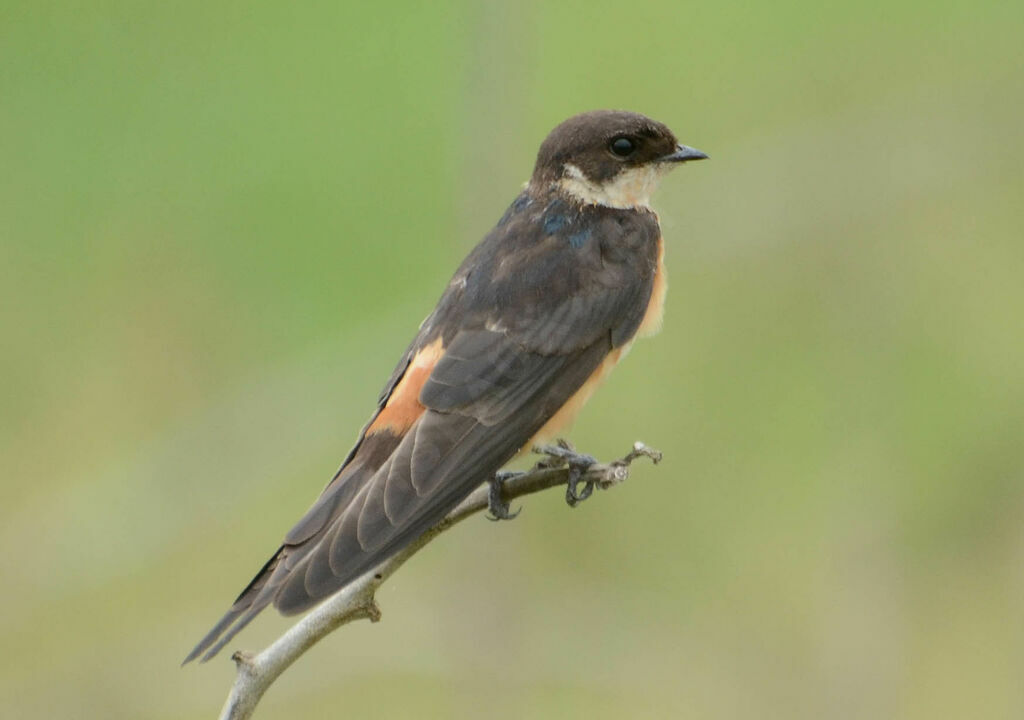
(584, 474)
(497, 505)
(563, 453)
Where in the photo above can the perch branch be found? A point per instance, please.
(356, 600)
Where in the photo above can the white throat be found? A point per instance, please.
(631, 188)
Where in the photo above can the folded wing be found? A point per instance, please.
(500, 355)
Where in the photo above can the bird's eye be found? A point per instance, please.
(622, 147)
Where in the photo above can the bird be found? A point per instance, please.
(530, 324)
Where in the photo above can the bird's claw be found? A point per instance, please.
(577, 469)
(563, 453)
(497, 505)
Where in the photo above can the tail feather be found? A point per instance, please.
(241, 622)
(247, 606)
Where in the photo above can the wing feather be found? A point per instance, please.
(532, 316)
(439, 461)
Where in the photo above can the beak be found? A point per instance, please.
(683, 154)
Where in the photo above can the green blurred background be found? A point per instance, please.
(222, 222)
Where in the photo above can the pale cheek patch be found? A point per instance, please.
(631, 188)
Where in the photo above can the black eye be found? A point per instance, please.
(622, 147)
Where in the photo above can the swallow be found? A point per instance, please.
(531, 323)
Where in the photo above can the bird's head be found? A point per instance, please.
(609, 157)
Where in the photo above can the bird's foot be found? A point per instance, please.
(563, 453)
(578, 466)
(497, 505)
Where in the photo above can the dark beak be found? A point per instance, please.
(684, 153)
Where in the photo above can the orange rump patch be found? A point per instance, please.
(403, 407)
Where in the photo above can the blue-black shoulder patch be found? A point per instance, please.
(554, 223)
(579, 239)
(517, 206)
(555, 216)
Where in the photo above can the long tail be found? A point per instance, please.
(246, 607)
(299, 541)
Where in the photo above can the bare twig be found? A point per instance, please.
(356, 600)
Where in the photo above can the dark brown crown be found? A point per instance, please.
(586, 140)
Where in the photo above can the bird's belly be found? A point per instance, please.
(566, 415)
(651, 323)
